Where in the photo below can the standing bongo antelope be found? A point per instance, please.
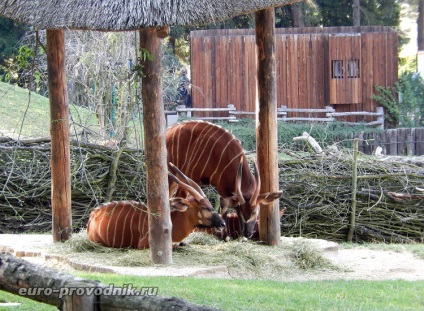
(125, 223)
(209, 154)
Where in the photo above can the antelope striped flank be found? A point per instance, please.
(209, 154)
(124, 224)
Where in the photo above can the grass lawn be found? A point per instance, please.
(268, 295)
(29, 115)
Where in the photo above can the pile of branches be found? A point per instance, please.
(318, 197)
(317, 191)
(98, 174)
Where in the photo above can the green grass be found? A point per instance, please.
(32, 113)
(269, 295)
(272, 295)
(26, 304)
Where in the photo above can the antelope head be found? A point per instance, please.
(202, 214)
(247, 209)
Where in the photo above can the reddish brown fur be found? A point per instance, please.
(209, 154)
(124, 224)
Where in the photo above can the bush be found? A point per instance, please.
(404, 102)
(325, 134)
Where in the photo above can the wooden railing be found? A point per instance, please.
(331, 115)
(186, 112)
(328, 115)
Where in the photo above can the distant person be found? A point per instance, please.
(183, 96)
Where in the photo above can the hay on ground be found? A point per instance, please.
(244, 260)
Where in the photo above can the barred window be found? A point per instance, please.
(353, 68)
(337, 69)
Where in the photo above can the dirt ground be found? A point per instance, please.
(355, 263)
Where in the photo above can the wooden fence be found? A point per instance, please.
(314, 67)
(284, 114)
(401, 141)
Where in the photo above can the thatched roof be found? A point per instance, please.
(109, 15)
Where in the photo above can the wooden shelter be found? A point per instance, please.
(151, 18)
(316, 67)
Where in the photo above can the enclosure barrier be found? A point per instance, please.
(282, 115)
(184, 112)
(317, 190)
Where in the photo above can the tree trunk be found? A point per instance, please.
(266, 133)
(297, 14)
(356, 13)
(59, 130)
(420, 24)
(160, 226)
(18, 277)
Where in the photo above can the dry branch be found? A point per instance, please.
(388, 207)
(26, 185)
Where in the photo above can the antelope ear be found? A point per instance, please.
(178, 204)
(232, 201)
(266, 198)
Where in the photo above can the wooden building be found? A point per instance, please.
(316, 67)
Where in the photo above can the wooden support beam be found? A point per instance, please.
(266, 124)
(160, 226)
(59, 130)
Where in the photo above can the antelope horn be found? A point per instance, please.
(258, 185)
(187, 187)
(238, 182)
(188, 180)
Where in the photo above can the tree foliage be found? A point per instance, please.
(373, 12)
(404, 102)
(10, 34)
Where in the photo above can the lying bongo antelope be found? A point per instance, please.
(125, 223)
(209, 154)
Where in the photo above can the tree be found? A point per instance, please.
(10, 34)
(420, 25)
(297, 15)
(373, 12)
(356, 13)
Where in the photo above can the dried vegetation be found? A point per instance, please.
(317, 191)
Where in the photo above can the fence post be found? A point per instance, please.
(329, 112)
(330, 109)
(354, 187)
(231, 107)
(380, 118)
(283, 111)
(180, 113)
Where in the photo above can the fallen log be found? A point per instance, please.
(68, 292)
(308, 138)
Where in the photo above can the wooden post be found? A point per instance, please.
(59, 131)
(380, 118)
(160, 226)
(266, 124)
(352, 222)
